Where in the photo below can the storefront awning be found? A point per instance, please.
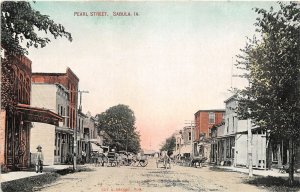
(35, 114)
(64, 130)
(95, 147)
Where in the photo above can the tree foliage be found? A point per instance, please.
(271, 62)
(169, 145)
(19, 24)
(119, 123)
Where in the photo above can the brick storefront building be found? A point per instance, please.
(64, 88)
(16, 112)
(68, 80)
(204, 121)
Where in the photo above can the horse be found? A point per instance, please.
(198, 160)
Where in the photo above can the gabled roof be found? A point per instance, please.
(233, 97)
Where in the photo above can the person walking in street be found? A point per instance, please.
(39, 160)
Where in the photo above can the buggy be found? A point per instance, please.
(139, 160)
(113, 159)
(164, 159)
(99, 159)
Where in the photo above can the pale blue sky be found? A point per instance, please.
(169, 62)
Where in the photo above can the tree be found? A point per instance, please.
(169, 145)
(118, 122)
(272, 66)
(19, 23)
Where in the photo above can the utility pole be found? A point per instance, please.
(80, 98)
(249, 126)
(75, 147)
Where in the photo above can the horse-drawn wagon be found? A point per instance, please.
(164, 159)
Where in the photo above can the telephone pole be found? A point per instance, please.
(75, 128)
(249, 126)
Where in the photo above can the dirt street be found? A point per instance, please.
(150, 178)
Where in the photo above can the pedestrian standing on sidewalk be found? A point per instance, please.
(39, 160)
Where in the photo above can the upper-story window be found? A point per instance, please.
(211, 118)
(190, 136)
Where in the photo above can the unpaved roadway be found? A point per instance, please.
(152, 179)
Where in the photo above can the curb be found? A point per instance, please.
(33, 183)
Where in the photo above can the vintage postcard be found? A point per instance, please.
(131, 96)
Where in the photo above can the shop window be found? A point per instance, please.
(211, 118)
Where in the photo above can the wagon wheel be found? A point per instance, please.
(113, 164)
(143, 163)
(122, 162)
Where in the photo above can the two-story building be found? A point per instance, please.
(59, 92)
(81, 140)
(16, 113)
(204, 121)
(232, 146)
(184, 142)
(56, 141)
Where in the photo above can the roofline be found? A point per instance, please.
(57, 74)
(210, 110)
(69, 69)
(48, 74)
(230, 98)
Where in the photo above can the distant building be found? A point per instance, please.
(184, 142)
(204, 120)
(90, 134)
(81, 140)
